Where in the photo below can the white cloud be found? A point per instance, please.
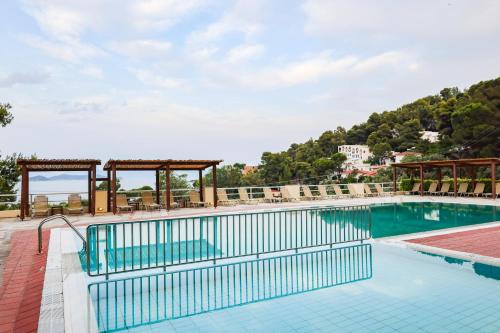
(161, 14)
(153, 79)
(20, 78)
(141, 48)
(244, 52)
(93, 71)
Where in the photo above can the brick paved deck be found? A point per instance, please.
(485, 241)
(23, 276)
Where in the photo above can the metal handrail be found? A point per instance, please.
(65, 219)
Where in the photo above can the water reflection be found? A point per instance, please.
(131, 302)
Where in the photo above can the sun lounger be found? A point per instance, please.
(194, 199)
(308, 194)
(75, 204)
(173, 204)
(223, 199)
(122, 204)
(356, 190)
(381, 191)
(244, 198)
(415, 189)
(40, 206)
(445, 189)
(368, 190)
(290, 193)
(323, 193)
(478, 190)
(269, 195)
(462, 189)
(497, 190)
(432, 188)
(148, 202)
(338, 192)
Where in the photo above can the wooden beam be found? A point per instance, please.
(157, 188)
(214, 183)
(421, 180)
(24, 180)
(440, 176)
(394, 179)
(108, 189)
(493, 180)
(167, 187)
(94, 188)
(455, 179)
(89, 190)
(113, 186)
(200, 181)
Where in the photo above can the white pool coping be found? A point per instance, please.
(67, 306)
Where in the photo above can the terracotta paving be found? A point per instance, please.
(485, 241)
(22, 284)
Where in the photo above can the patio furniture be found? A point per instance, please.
(415, 189)
(244, 198)
(223, 199)
(290, 193)
(148, 202)
(323, 193)
(338, 192)
(445, 189)
(270, 197)
(355, 191)
(381, 191)
(478, 190)
(462, 189)
(432, 188)
(40, 206)
(54, 210)
(308, 195)
(173, 204)
(497, 190)
(75, 204)
(368, 190)
(194, 199)
(122, 204)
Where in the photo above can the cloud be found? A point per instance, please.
(244, 52)
(141, 48)
(153, 79)
(19, 78)
(93, 71)
(244, 17)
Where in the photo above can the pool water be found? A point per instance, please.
(360, 288)
(406, 218)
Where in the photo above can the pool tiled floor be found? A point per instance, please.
(484, 241)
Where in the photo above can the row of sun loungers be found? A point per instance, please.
(461, 191)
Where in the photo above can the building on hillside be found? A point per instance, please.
(349, 166)
(358, 173)
(355, 152)
(398, 157)
(249, 169)
(430, 136)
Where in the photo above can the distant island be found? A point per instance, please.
(63, 176)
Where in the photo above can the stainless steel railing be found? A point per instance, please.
(139, 245)
(65, 219)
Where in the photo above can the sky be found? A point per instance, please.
(193, 79)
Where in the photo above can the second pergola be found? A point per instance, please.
(167, 166)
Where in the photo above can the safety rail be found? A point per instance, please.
(121, 303)
(65, 219)
(139, 245)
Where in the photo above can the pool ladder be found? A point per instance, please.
(65, 219)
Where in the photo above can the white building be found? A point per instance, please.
(430, 136)
(355, 153)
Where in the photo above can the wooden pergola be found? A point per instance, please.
(43, 165)
(470, 165)
(112, 166)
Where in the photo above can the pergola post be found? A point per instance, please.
(24, 194)
(455, 179)
(89, 190)
(94, 188)
(493, 180)
(108, 188)
(167, 187)
(200, 182)
(394, 178)
(421, 180)
(113, 185)
(439, 176)
(157, 188)
(214, 182)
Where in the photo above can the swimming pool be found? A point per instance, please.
(326, 286)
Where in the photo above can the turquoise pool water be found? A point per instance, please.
(406, 218)
(361, 288)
